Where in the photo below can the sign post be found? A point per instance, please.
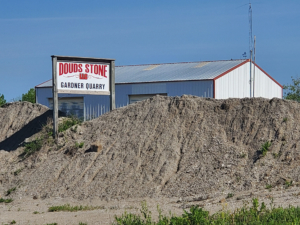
(81, 75)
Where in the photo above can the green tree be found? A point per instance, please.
(293, 90)
(29, 96)
(2, 100)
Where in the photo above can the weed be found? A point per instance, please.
(265, 148)
(80, 223)
(275, 155)
(288, 184)
(16, 173)
(285, 119)
(13, 222)
(79, 145)
(51, 224)
(243, 155)
(69, 208)
(8, 200)
(268, 186)
(68, 122)
(35, 212)
(32, 147)
(256, 214)
(230, 195)
(10, 191)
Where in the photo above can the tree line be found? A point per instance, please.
(28, 97)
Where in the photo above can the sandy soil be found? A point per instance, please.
(35, 211)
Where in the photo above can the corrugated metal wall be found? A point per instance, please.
(96, 105)
(236, 84)
(198, 88)
(265, 87)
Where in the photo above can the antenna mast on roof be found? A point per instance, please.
(250, 45)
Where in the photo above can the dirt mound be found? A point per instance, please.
(182, 147)
(20, 120)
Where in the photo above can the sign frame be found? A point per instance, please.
(74, 59)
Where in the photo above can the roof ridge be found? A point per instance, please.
(224, 60)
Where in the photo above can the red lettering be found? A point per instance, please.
(87, 68)
(80, 68)
(61, 69)
(105, 71)
(83, 76)
(96, 69)
(66, 68)
(71, 68)
(91, 68)
(101, 70)
(75, 68)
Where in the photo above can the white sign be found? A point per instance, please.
(83, 78)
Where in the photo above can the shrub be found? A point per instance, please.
(265, 148)
(68, 122)
(32, 147)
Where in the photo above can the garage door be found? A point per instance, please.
(70, 106)
(137, 98)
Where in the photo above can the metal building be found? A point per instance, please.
(211, 79)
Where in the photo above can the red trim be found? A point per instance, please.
(233, 68)
(43, 83)
(268, 75)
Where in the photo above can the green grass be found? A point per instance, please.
(69, 208)
(10, 191)
(8, 200)
(68, 122)
(265, 148)
(256, 214)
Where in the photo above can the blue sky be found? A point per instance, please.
(143, 32)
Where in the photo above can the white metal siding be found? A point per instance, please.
(234, 84)
(265, 87)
